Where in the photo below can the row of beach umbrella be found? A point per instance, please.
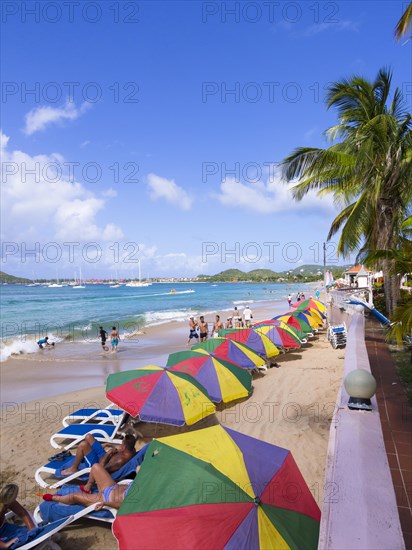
(218, 370)
(215, 487)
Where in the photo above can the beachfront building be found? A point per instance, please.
(358, 276)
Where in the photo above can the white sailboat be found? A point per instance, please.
(56, 284)
(115, 284)
(138, 283)
(80, 280)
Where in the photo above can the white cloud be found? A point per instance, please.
(269, 197)
(344, 25)
(109, 193)
(162, 188)
(37, 119)
(36, 207)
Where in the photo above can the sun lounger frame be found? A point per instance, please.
(96, 430)
(101, 416)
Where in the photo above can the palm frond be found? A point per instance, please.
(404, 23)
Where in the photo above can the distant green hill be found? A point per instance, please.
(307, 272)
(256, 275)
(11, 279)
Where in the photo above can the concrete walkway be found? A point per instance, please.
(396, 418)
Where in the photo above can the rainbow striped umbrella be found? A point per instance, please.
(225, 381)
(253, 339)
(233, 351)
(299, 325)
(305, 304)
(313, 320)
(217, 488)
(281, 336)
(154, 394)
(315, 313)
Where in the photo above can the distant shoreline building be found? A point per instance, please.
(358, 276)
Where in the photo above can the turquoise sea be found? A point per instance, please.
(30, 312)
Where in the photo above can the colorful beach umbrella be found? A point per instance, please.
(301, 327)
(304, 304)
(154, 394)
(305, 316)
(217, 488)
(253, 339)
(233, 351)
(280, 336)
(309, 316)
(315, 313)
(223, 380)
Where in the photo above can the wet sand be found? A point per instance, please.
(73, 366)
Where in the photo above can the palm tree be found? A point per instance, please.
(368, 171)
(404, 23)
(401, 264)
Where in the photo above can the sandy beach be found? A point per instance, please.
(291, 406)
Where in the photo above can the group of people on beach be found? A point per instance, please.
(114, 338)
(44, 343)
(200, 330)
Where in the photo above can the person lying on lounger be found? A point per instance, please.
(110, 493)
(93, 452)
(9, 533)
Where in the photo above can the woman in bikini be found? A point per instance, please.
(110, 493)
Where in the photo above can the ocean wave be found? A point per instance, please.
(160, 317)
(17, 346)
(238, 302)
(24, 344)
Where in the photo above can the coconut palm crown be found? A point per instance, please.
(367, 168)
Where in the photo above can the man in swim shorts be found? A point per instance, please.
(114, 335)
(92, 452)
(192, 330)
(204, 329)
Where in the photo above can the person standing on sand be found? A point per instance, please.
(229, 322)
(204, 329)
(192, 330)
(236, 317)
(103, 338)
(247, 316)
(114, 335)
(217, 325)
(289, 299)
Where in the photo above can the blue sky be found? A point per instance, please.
(159, 124)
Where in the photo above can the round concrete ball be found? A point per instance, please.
(360, 383)
(359, 308)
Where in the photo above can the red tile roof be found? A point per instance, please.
(356, 269)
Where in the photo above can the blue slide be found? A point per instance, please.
(379, 316)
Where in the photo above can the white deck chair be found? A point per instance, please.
(105, 433)
(87, 513)
(101, 416)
